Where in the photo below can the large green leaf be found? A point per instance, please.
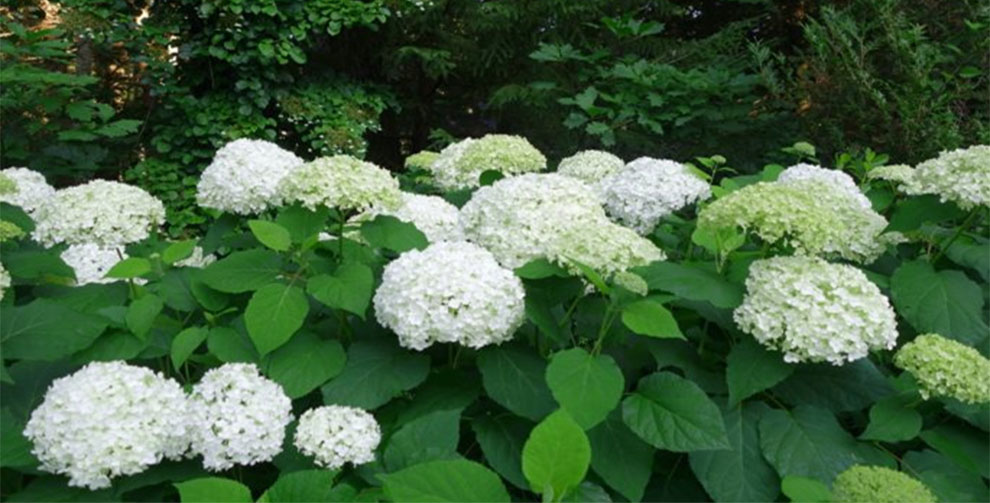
(46, 330)
(620, 458)
(849, 387)
(15, 448)
(501, 440)
(806, 441)
(672, 413)
(650, 318)
(740, 474)
(455, 480)
(587, 387)
(946, 479)
(130, 267)
(185, 342)
(141, 314)
(912, 212)
(302, 223)
(805, 490)
(230, 346)
(349, 288)
(178, 250)
(693, 282)
(513, 376)
(447, 389)
(964, 445)
(393, 234)
(433, 436)
(972, 253)
(242, 271)
(943, 302)
(312, 486)
(556, 456)
(376, 371)
(213, 490)
(271, 234)
(750, 369)
(305, 363)
(892, 420)
(273, 314)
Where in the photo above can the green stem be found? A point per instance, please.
(962, 228)
(607, 320)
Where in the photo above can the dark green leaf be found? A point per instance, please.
(231, 346)
(740, 474)
(750, 369)
(376, 371)
(513, 376)
(455, 480)
(141, 314)
(46, 330)
(914, 211)
(806, 441)
(620, 458)
(349, 288)
(672, 413)
(891, 420)
(273, 314)
(305, 363)
(943, 302)
(587, 387)
(302, 223)
(431, 437)
(393, 234)
(501, 440)
(647, 317)
(185, 343)
(693, 282)
(849, 387)
(242, 271)
(15, 448)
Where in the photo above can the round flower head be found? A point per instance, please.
(4, 280)
(197, 259)
(961, 176)
(341, 181)
(590, 166)
(878, 484)
(837, 178)
(646, 190)
(520, 218)
(335, 435)
(606, 247)
(106, 420)
(460, 165)
(244, 176)
(432, 215)
(815, 311)
(421, 160)
(32, 190)
(91, 262)
(813, 217)
(449, 292)
(944, 367)
(101, 212)
(238, 417)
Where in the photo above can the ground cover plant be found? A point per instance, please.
(485, 327)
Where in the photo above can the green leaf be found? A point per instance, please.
(304, 485)
(587, 387)
(912, 212)
(428, 438)
(672, 413)
(175, 289)
(556, 456)
(393, 234)
(15, 448)
(943, 302)
(891, 420)
(376, 371)
(620, 458)
(540, 268)
(305, 363)
(178, 251)
(455, 480)
(273, 314)
(513, 376)
(501, 440)
(750, 369)
(131, 267)
(302, 223)
(968, 252)
(213, 489)
(242, 271)
(741, 474)
(112, 346)
(448, 389)
(185, 343)
(692, 282)
(849, 387)
(349, 288)
(806, 441)
(271, 234)
(805, 490)
(946, 479)
(47, 488)
(46, 330)
(646, 317)
(141, 315)
(36, 264)
(962, 444)
(230, 346)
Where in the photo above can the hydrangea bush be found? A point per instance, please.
(646, 331)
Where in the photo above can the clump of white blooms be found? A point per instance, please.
(432, 215)
(449, 292)
(813, 217)
(197, 259)
(32, 189)
(335, 435)
(238, 417)
(421, 159)
(944, 367)
(92, 261)
(606, 247)
(878, 484)
(837, 178)
(101, 212)
(244, 176)
(899, 174)
(520, 218)
(4, 280)
(961, 176)
(460, 165)
(106, 420)
(646, 190)
(590, 166)
(341, 181)
(814, 311)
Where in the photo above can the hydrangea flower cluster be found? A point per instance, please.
(340, 181)
(837, 178)
(106, 420)
(432, 215)
(900, 174)
(91, 262)
(815, 311)
(335, 435)
(961, 176)
(814, 217)
(244, 176)
(878, 484)
(646, 190)
(944, 367)
(100, 212)
(460, 165)
(197, 259)
(421, 160)
(449, 292)
(32, 190)
(590, 166)
(605, 247)
(238, 417)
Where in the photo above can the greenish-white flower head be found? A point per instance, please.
(606, 247)
(590, 166)
(944, 367)
(837, 178)
(340, 181)
(25, 188)
(815, 311)
(813, 217)
(878, 484)
(335, 435)
(647, 189)
(432, 215)
(961, 176)
(461, 164)
(421, 160)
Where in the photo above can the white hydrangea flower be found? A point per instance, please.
(961, 176)
(197, 259)
(840, 180)
(239, 417)
(519, 218)
(944, 367)
(900, 174)
(32, 189)
(460, 165)
(646, 190)
(815, 311)
(449, 292)
(335, 435)
(341, 181)
(590, 166)
(101, 212)
(432, 215)
(244, 176)
(106, 420)
(606, 247)
(92, 261)
(4, 280)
